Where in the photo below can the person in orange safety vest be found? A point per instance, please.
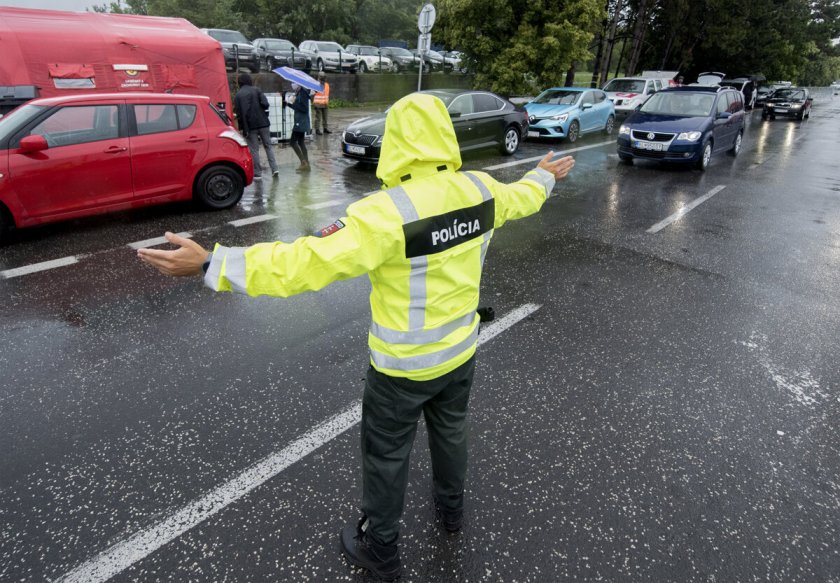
(321, 103)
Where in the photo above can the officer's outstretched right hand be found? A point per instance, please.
(559, 167)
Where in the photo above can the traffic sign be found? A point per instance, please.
(426, 20)
(424, 42)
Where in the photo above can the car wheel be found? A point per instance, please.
(320, 66)
(705, 156)
(218, 187)
(608, 129)
(4, 228)
(736, 147)
(270, 63)
(363, 67)
(396, 67)
(626, 159)
(510, 141)
(572, 134)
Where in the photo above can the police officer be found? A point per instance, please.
(422, 240)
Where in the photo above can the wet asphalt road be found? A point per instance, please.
(669, 413)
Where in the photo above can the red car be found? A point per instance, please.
(68, 157)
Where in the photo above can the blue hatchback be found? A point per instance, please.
(568, 112)
(684, 124)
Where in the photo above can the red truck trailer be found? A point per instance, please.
(48, 53)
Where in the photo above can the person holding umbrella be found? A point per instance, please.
(302, 125)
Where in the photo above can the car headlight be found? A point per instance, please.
(624, 130)
(562, 117)
(796, 106)
(690, 136)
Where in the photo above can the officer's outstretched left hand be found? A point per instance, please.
(559, 167)
(186, 260)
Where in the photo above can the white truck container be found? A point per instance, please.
(282, 119)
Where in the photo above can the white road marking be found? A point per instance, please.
(324, 205)
(156, 241)
(684, 210)
(252, 220)
(141, 544)
(43, 266)
(538, 158)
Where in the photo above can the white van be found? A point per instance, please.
(628, 93)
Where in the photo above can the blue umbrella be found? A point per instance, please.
(298, 77)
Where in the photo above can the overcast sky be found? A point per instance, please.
(54, 4)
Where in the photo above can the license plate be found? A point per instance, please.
(781, 110)
(355, 149)
(653, 146)
(533, 134)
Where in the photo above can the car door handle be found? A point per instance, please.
(193, 139)
(116, 149)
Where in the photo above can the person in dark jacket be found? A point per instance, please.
(302, 125)
(251, 108)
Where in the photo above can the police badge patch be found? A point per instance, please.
(336, 226)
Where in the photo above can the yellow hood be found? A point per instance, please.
(419, 138)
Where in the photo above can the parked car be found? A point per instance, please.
(436, 61)
(235, 47)
(330, 56)
(746, 86)
(278, 52)
(431, 64)
(401, 59)
(456, 59)
(370, 58)
(628, 93)
(78, 155)
(684, 124)
(790, 102)
(481, 119)
(568, 112)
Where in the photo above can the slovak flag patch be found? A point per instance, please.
(326, 231)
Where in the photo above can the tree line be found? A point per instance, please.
(522, 46)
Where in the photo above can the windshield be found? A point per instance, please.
(228, 36)
(11, 122)
(558, 97)
(330, 47)
(789, 94)
(680, 103)
(368, 51)
(279, 45)
(625, 86)
(400, 51)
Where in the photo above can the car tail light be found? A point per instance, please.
(235, 136)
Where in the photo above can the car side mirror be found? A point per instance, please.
(724, 115)
(586, 106)
(34, 143)
(454, 114)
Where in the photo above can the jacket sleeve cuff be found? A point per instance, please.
(542, 177)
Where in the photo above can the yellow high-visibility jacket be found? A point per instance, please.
(422, 241)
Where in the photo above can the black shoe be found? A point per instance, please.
(318, 132)
(381, 560)
(452, 520)
(326, 131)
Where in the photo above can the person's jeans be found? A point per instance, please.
(254, 137)
(321, 118)
(391, 408)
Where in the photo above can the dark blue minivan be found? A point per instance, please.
(684, 124)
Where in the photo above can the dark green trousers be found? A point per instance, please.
(391, 408)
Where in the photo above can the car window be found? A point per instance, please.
(557, 97)
(735, 103)
(79, 125)
(722, 103)
(329, 47)
(17, 118)
(462, 104)
(155, 118)
(278, 45)
(657, 84)
(587, 98)
(625, 86)
(228, 36)
(600, 96)
(186, 115)
(485, 102)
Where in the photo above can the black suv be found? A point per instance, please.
(235, 46)
(278, 52)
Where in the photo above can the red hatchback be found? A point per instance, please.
(67, 157)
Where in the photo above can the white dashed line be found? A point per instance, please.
(684, 210)
(324, 205)
(538, 158)
(252, 220)
(36, 267)
(156, 241)
(141, 544)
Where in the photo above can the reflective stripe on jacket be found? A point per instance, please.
(422, 242)
(322, 98)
